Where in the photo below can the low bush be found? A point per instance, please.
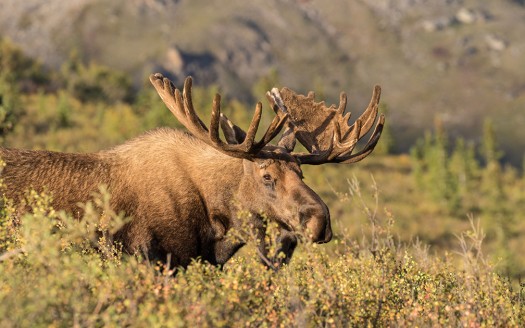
(57, 271)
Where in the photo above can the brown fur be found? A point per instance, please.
(182, 195)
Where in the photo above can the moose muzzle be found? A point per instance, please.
(317, 224)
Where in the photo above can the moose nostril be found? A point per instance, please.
(319, 230)
(316, 220)
(327, 233)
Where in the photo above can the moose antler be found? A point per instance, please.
(239, 143)
(324, 131)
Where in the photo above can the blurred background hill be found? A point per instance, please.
(460, 61)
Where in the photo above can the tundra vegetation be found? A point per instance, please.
(430, 238)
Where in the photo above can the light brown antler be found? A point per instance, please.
(239, 143)
(324, 131)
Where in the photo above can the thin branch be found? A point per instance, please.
(11, 253)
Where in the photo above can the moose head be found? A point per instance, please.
(271, 183)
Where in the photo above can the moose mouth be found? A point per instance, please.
(323, 237)
(285, 225)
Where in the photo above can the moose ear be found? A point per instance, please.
(287, 140)
(232, 133)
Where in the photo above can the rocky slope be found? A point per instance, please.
(459, 60)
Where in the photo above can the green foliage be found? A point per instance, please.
(464, 166)
(8, 88)
(64, 272)
(460, 174)
(483, 186)
(489, 149)
(152, 111)
(492, 182)
(58, 121)
(386, 143)
(23, 71)
(432, 171)
(17, 73)
(9, 104)
(95, 83)
(265, 84)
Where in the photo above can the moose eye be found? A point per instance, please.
(267, 178)
(268, 182)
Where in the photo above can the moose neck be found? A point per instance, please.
(219, 175)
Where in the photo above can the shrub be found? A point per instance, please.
(63, 272)
(96, 83)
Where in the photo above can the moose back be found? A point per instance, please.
(184, 190)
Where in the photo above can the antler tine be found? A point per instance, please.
(317, 158)
(247, 143)
(363, 124)
(346, 157)
(369, 116)
(232, 132)
(370, 145)
(215, 120)
(175, 103)
(348, 146)
(325, 131)
(342, 104)
(188, 104)
(278, 121)
(254, 125)
(240, 144)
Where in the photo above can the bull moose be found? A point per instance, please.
(183, 191)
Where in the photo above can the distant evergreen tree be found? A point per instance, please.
(432, 168)
(386, 142)
(264, 84)
(64, 111)
(501, 221)
(492, 184)
(523, 167)
(464, 166)
(9, 91)
(95, 83)
(418, 163)
(17, 73)
(489, 147)
(9, 103)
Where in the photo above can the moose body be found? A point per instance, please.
(182, 195)
(184, 191)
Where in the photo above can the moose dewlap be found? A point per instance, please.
(184, 190)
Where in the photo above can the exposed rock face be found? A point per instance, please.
(495, 42)
(232, 44)
(470, 16)
(32, 24)
(431, 57)
(174, 61)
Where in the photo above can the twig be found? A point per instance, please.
(11, 253)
